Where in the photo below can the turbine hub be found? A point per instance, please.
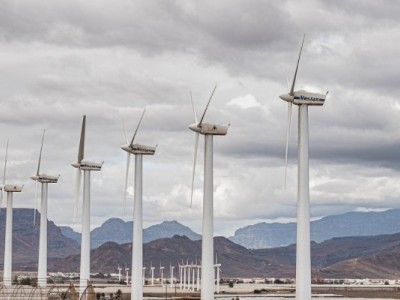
(126, 148)
(76, 165)
(195, 128)
(286, 97)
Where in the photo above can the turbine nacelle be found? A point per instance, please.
(205, 128)
(139, 149)
(304, 97)
(13, 188)
(88, 165)
(44, 178)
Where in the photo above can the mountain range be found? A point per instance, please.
(348, 257)
(119, 231)
(269, 235)
(257, 236)
(374, 256)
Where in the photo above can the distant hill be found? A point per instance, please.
(359, 257)
(70, 233)
(168, 229)
(348, 257)
(118, 231)
(114, 230)
(267, 235)
(345, 257)
(26, 239)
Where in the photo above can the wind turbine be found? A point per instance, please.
(162, 274)
(198, 277)
(137, 250)
(10, 190)
(193, 275)
(302, 99)
(218, 269)
(127, 274)
(184, 276)
(171, 271)
(44, 179)
(152, 273)
(119, 274)
(207, 245)
(87, 167)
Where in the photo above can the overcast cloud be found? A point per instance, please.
(62, 59)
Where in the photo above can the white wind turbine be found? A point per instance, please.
(207, 250)
(10, 190)
(119, 274)
(171, 272)
(44, 179)
(127, 274)
(162, 274)
(303, 252)
(137, 250)
(218, 270)
(152, 273)
(87, 167)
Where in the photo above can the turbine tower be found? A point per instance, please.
(218, 270)
(137, 250)
(127, 274)
(162, 274)
(119, 274)
(86, 167)
(171, 271)
(44, 179)
(152, 273)
(207, 247)
(302, 99)
(10, 190)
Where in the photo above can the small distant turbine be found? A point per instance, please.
(10, 190)
(87, 167)
(218, 270)
(152, 273)
(44, 179)
(127, 274)
(162, 274)
(207, 250)
(137, 250)
(119, 274)
(171, 271)
(303, 252)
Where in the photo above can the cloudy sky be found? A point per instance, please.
(61, 59)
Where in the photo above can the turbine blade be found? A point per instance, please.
(40, 154)
(128, 162)
(196, 143)
(34, 211)
(5, 165)
(287, 137)
(126, 136)
(137, 128)
(77, 191)
(194, 111)
(4, 175)
(297, 67)
(81, 151)
(208, 103)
